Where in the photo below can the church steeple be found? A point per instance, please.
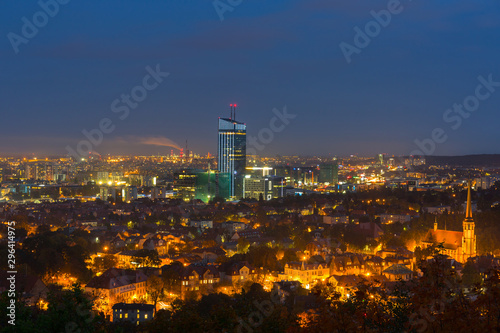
(468, 212)
(469, 237)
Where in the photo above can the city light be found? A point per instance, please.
(354, 188)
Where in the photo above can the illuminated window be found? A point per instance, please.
(121, 316)
(145, 316)
(126, 315)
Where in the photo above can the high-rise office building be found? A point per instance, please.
(129, 193)
(285, 172)
(231, 154)
(380, 158)
(329, 173)
(185, 184)
(270, 187)
(31, 170)
(258, 171)
(161, 192)
(49, 172)
(211, 184)
(483, 183)
(205, 185)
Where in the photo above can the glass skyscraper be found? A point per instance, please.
(201, 184)
(329, 173)
(231, 154)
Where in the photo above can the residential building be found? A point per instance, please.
(305, 273)
(134, 312)
(398, 272)
(116, 284)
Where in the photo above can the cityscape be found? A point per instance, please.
(199, 212)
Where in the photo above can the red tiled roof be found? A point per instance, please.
(450, 239)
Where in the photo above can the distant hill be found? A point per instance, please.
(484, 160)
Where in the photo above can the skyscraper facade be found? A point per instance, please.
(205, 185)
(231, 154)
(329, 173)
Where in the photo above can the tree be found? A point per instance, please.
(343, 247)
(161, 321)
(146, 257)
(154, 289)
(69, 310)
(105, 262)
(50, 253)
(301, 239)
(289, 255)
(243, 245)
(394, 242)
(171, 277)
(261, 215)
(262, 256)
(23, 315)
(470, 275)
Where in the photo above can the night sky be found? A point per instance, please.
(263, 55)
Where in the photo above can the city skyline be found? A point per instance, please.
(394, 91)
(249, 166)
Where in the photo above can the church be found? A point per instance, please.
(460, 245)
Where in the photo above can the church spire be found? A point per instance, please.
(468, 212)
(469, 248)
